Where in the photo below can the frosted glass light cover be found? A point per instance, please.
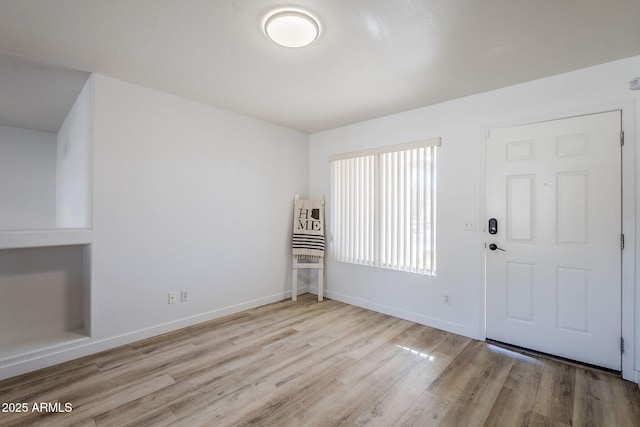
(291, 28)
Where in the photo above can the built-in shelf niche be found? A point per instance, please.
(45, 177)
(45, 235)
(45, 298)
(27, 179)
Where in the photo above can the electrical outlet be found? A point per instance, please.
(447, 299)
(469, 225)
(173, 298)
(184, 296)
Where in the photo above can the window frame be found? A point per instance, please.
(346, 226)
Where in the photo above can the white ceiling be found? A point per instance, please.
(373, 57)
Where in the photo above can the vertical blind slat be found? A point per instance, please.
(426, 255)
(358, 213)
(383, 210)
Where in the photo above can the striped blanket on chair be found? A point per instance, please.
(308, 229)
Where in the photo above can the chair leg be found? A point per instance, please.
(294, 280)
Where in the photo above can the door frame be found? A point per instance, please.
(628, 165)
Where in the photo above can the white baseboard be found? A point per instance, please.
(407, 315)
(48, 357)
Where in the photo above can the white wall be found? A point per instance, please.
(460, 254)
(73, 196)
(190, 197)
(27, 179)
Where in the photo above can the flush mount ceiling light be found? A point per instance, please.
(291, 28)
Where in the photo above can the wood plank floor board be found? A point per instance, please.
(230, 335)
(156, 360)
(158, 417)
(480, 393)
(623, 392)
(295, 393)
(217, 332)
(88, 405)
(145, 406)
(206, 396)
(36, 377)
(400, 397)
(270, 361)
(310, 363)
(450, 347)
(334, 315)
(556, 392)
(315, 332)
(420, 339)
(222, 375)
(286, 369)
(534, 419)
(595, 406)
(515, 402)
(205, 387)
(205, 362)
(314, 408)
(106, 381)
(226, 409)
(287, 389)
(462, 369)
(34, 391)
(378, 335)
(359, 371)
(370, 391)
(427, 410)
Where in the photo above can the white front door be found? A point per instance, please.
(553, 268)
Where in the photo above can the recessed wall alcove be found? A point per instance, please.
(45, 216)
(45, 298)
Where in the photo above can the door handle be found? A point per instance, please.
(493, 247)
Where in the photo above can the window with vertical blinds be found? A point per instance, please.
(383, 207)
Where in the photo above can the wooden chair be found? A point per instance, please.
(309, 262)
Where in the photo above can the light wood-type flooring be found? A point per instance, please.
(310, 363)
